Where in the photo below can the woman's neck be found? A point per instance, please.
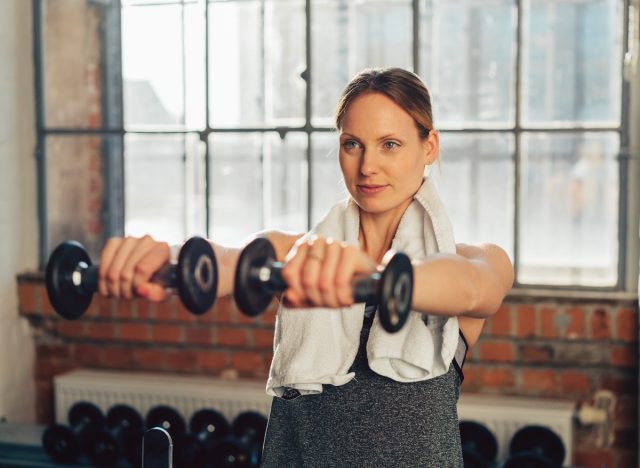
(377, 230)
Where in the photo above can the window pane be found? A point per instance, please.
(571, 61)
(81, 67)
(350, 36)
(475, 179)
(328, 183)
(164, 186)
(76, 189)
(569, 201)
(467, 57)
(163, 65)
(257, 55)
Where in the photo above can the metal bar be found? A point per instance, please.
(40, 153)
(205, 138)
(308, 102)
(416, 36)
(517, 169)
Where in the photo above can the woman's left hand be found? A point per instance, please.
(320, 272)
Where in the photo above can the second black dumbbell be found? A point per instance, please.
(258, 278)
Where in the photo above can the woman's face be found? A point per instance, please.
(381, 153)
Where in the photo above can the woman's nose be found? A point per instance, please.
(368, 163)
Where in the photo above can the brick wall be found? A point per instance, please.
(531, 347)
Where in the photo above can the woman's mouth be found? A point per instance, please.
(371, 189)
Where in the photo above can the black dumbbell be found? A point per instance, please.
(71, 278)
(535, 447)
(121, 437)
(64, 444)
(206, 427)
(168, 419)
(243, 447)
(479, 445)
(258, 278)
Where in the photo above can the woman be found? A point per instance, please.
(343, 398)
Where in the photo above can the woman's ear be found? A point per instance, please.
(431, 146)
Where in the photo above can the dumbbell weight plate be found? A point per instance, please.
(529, 460)
(210, 422)
(124, 416)
(395, 293)
(478, 439)
(197, 275)
(60, 443)
(538, 440)
(68, 300)
(166, 418)
(250, 297)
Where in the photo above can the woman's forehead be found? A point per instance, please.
(378, 114)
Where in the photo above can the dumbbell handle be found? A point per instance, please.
(269, 278)
(86, 277)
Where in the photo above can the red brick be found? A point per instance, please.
(539, 381)
(28, 299)
(44, 401)
(125, 308)
(222, 311)
(626, 411)
(627, 324)
(600, 324)
(500, 322)
(620, 385)
(263, 339)
(212, 360)
(46, 307)
(585, 458)
(165, 310)
(100, 330)
(575, 382)
(118, 357)
(180, 360)
(576, 328)
(149, 358)
(496, 351)
(526, 321)
(232, 337)
(71, 328)
(49, 368)
(145, 309)
(269, 315)
(198, 335)
(247, 362)
(497, 378)
(134, 332)
(53, 351)
(183, 315)
(166, 333)
(627, 459)
(548, 327)
(624, 356)
(472, 378)
(102, 306)
(536, 354)
(87, 355)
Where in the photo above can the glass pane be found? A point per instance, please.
(327, 181)
(475, 178)
(467, 58)
(571, 61)
(163, 65)
(81, 64)
(257, 55)
(569, 201)
(164, 186)
(258, 181)
(76, 189)
(350, 36)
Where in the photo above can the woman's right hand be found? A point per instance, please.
(127, 265)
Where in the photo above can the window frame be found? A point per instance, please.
(629, 188)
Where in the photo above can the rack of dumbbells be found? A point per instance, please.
(531, 446)
(116, 439)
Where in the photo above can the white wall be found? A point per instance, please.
(18, 211)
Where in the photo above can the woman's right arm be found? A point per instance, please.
(128, 263)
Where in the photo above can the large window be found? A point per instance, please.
(216, 118)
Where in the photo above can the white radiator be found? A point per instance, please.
(503, 415)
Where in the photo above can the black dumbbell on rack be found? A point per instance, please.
(72, 279)
(535, 447)
(121, 438)
(479, 445)
(207, 426)
(65, 444)
(243, 447)
(259, 277)
(168, 419)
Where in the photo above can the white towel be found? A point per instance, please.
(317, 346)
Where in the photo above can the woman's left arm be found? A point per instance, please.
(471, 283)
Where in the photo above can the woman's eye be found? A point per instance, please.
(349, 144)
(391, 145)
